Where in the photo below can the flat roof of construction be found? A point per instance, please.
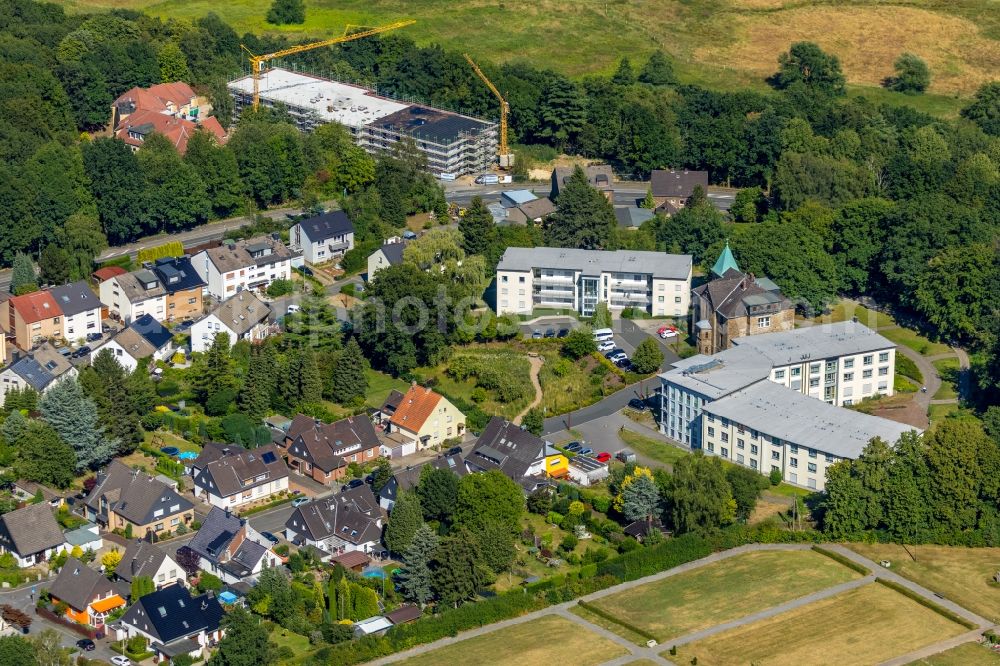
(344, 103)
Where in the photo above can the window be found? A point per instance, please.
(848, 376)
(158, 527)
(812, 467)
(161, 577)
(848, 363)
(677, 299)
(711, 418)
(725, 452)
(775, 468)
(812, 484)
(882, 372)
(868, 359)
(829, 458)
(711, 432)
(814, 368)
(812, 453)
(174, 521)
(779, 374)
(753, 464)
(883, 357)
(814, 382)
(796, 372)
(775, 455)
(793, 478)
(866, 374)
(725, 437)
(503, 279)
(740, 444)
(711, 447)
(660, 299)
(793, 462)
(793, 448)
(753, 449)
(520, 279)
(763, 322)
(739, 458)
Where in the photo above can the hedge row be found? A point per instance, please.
(846, 561)
(924, 601)
(611, 617)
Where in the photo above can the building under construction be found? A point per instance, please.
(451, 142)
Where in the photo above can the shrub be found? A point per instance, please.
(568, 543)
(280, 287)
(775, 477)
(906, 367)
(601, 503)
(554, 517)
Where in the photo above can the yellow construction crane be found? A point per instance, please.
(504, 157)
(257, 61)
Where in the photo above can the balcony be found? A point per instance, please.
(342, 246)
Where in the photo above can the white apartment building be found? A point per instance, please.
(236, 266)
(767, 427)
(324, 237)
(839, 364)
(133, 295)
(81, 310)
(571, 279)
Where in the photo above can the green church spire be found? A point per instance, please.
(725, 261)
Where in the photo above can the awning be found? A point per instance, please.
(104, 605)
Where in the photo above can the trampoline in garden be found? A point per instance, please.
(187, 455)
(227, 598)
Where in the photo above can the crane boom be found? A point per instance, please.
(257, 61)
(505, 159)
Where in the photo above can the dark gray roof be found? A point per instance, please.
(177, 274)
(135, 495)
(352, 516)
(393, 252)
(233, 469)
(598, 176)
(217, 531)
(632, 216)
(506, 447)
(538, 208)
(28, 369)
(407, 479)
(75, 297)
(429, 124)
(77, 584)
(738, 295)
(29, 530)
(678, 184)
(245, 559)
(327, 225)
(141, 558)
(172, 613)
(153, 331)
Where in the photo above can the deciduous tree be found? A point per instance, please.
(488, 497)
(912, 75)
(648, 356)
(245, 642)
(438, 490)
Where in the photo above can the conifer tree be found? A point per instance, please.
(584, 217)
(22, 276)
(416, 579)
(74, 416)
(349, 381)
(477, 227)
(404, 522)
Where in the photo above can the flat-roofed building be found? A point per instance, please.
(571, 279)
(450, 142)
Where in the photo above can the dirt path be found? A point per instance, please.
(536, 367)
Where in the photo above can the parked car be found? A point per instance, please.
(614, 352)
(169, 450)
(636, 403)
(603, 457)
(305, 270)
(487, 179)
(65, 351)
(454, 451)
(623, 364)
(81, 352)
(86, 645)
(299, 501)
(586, 451)
(618, 356)
(550, 333)
(606, 346)
(536, 334)
(625, 456)
(563, 332)
(292, 309)
(94, 337)
(270, 537)
(183, 325)
(119, 660)
(667, 331)
(409, 235)
(354, 483)
(573, 447)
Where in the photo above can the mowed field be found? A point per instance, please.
(867, 625)
(721, 43)
(963, 575)
(543, 642)
(724, 591)
(968, 654)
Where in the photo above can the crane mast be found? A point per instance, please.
(504, 156)
(257, 61)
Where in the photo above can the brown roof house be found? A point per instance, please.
(89, 596)
(242, 316)
(350, 520)
(599, 176)
(322, 451)
(170, 109)
(534, 211)
(133, 501)
(31, 534)
(229, 476)
(142, 558)
(426, 418)
(32, 318)
(231, 549)
(241, 265)
(736, 304)
(671, 189)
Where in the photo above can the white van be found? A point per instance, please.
(603, 335)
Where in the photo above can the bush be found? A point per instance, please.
(775, 477)
(906, 367)
(286, 11)
(615, 619)
(568, 543)
(279, 288)
(554, 517)
(601, 503)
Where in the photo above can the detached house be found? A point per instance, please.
(323, 238)
(242, 316)
(599, 176)
(81, 309)
(174, 623)
(390, 254)
(230, 549)
(125, 497)
(243, 265)
(322, 451)
(144, 338)
(426, 418)
(672, 188)
(31, 534)
(521, 456)
(40, 369)
(32, 318)
(229, 476)
(89, 596)
(142, 558)
(341, 523)
(171, 109)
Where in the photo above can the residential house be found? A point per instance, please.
(88, 594)
(125, 498)
(632, 217)
(573, 279)
(674, 187)
(32, 318)
(169, 289)
(534, 211)
(586, 471)
(408, 478)
(148, 560)
(81, 309)
(324, 237)
(737, 304)
(514, 198)
(768, 427)
(640, 529)
(230, 549)
(174, 623)
(599, 176)
(350, 520)
(383, 414)
(427, 418)
(390, 254)
(87, 537)
(183, 287)
(322, 451)
(26, 491)
(31, 534)
(520, 455)
(170, 109)
(244, 265)
(838, 363)
(242, 316)
(229, 476)
(144, 338)
(40, 370)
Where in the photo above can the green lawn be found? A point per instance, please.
(938, 413)
(915, 341)
(967, 654)
(297, 642)
(845, 309)
(379, 385)
(167, 438)
(725, 591)
(948, 369)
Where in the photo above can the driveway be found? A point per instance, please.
(605, 407)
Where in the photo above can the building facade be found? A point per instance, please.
(81, 310)
(32, 319)
(243, 265)
(543, 277)
(229, 476)
(426, 418)
(242, 316)
(323, 238)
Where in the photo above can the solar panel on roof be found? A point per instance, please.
(268, 457)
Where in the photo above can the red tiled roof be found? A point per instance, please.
(36, 306)
(177, 92)
(108, 272)
(155, 98)
(177, 130)
(415, 407)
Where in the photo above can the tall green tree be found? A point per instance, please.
(256, 393)
(693, 230)
(806, 70)
(175, 196)
(53, 265)
(747, 485)
(579, 342)
(601, 317)
(111, 168)
(985, 109)
(284, 12)
(416, 579)
(81, 239)
(488, 497)
(950, 292)
(477, 228)
(701, 497)
(438, 490)
(245, 642)
(364, 602)
(141, 586)
(349, 382)
(214, 371)
(173, 63)
(648, 356)
(17, 650)
(658, 70)
(22, 277)
(107, 384)
(406, 519)
(640, 499)
(561, 112)
(954, 447)
(457, 569)
(44, 457)
(624, 75)
(583, 218)
(912, 75)
(74, 417)
(217, 168)
(534, 421)
(303, 384)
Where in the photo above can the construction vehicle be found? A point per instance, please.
(257, 61)
(505, 158)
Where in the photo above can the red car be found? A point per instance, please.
(603, 457)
